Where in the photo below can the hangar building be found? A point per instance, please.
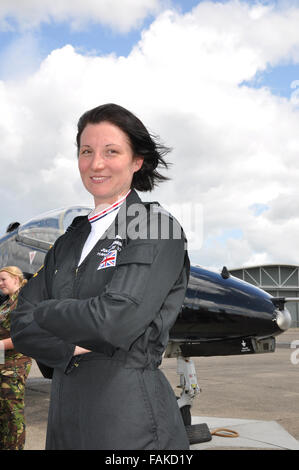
(279, 280)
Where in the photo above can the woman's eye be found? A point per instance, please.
(85, 152)
(111, 152)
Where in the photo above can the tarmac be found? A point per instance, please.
(255, 395)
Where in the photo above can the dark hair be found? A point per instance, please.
(142, 142)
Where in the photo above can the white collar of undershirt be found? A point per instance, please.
(96, 215)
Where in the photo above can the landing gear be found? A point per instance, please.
(190, 389)
(189, 386)
(197, 433)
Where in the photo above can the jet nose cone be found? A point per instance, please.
(283, 319)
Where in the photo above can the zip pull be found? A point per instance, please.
(77, 269)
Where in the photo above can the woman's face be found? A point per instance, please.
(8, 284)
(106, 162)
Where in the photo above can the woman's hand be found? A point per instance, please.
(79, 350)
(6, 344)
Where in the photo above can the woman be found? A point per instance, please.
(100, 310)
(14, 366)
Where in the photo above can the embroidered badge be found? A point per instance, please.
(109, 260)
(117, 245)
(103, 252)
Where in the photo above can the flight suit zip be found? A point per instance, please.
(74, 362)
(75, 281)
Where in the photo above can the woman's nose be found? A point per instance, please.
(98, 161)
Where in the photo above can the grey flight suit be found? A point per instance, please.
(114, 397)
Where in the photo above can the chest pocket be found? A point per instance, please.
(132, 272)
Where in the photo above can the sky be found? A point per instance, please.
(217, 81)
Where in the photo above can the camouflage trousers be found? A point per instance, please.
(12, 394)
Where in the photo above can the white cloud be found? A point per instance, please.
(121, 15)
(233, 146)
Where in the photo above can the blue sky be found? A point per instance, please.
(94, 38)
(217, 80)
(97, 39)
(278, 79)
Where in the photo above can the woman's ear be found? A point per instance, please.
(138, 162)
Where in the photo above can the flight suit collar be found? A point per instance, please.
(115, 232)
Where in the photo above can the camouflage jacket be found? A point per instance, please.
(6, 308)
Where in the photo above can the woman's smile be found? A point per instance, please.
(99, 179)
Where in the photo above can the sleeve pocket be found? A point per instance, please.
(133, 269)
(140, 254)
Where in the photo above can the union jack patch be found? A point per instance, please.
(108, 260)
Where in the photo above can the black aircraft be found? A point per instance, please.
(221, 315)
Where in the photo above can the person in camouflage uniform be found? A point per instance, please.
(14, 367)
